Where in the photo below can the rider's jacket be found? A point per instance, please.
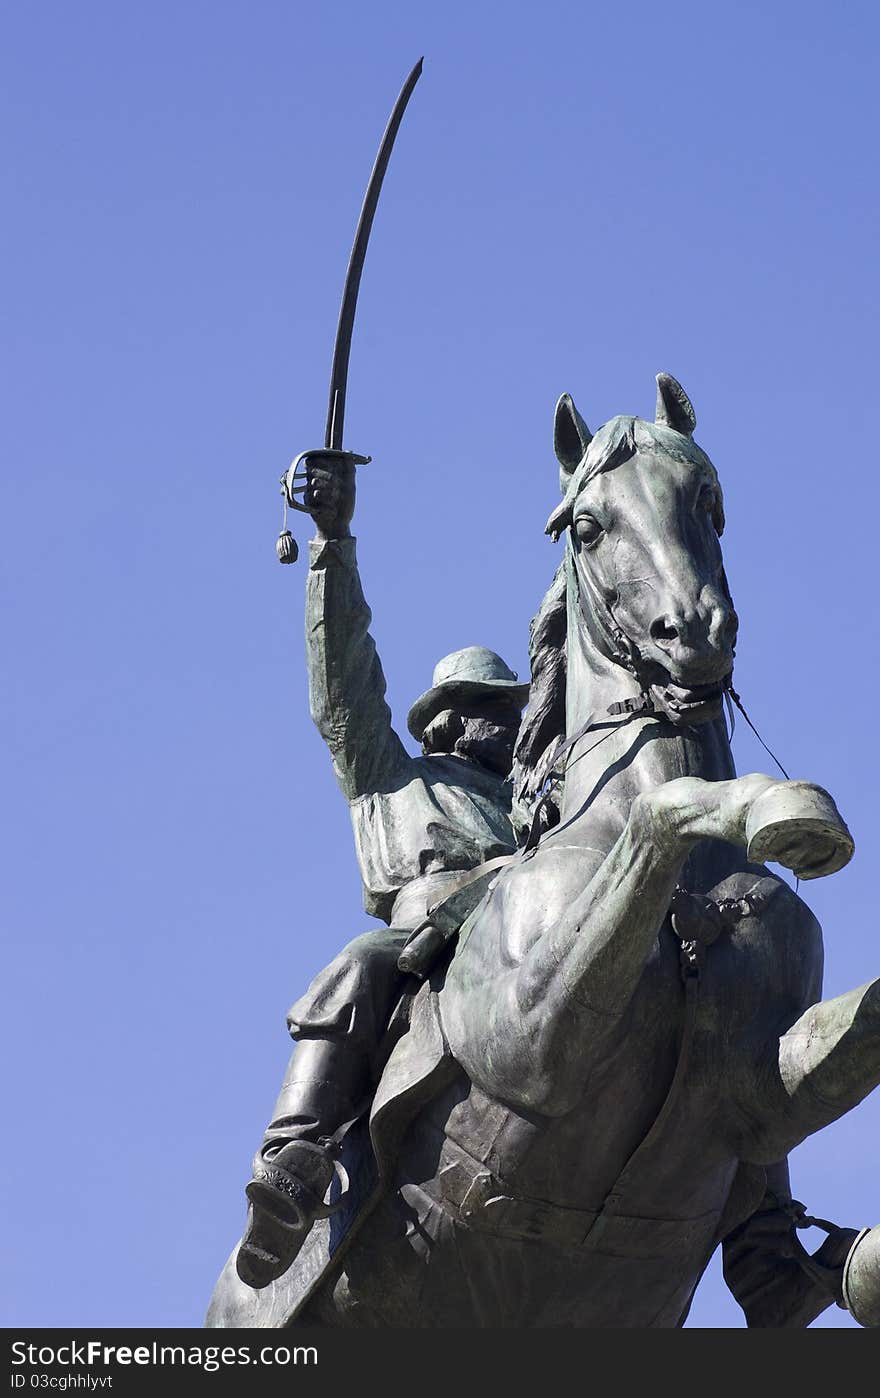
(414, 817)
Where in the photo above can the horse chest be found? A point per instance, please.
(576, 1157)
(755, 973)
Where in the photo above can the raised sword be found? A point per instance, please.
(294, 482)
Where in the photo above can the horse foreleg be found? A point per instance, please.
(547, 968)
(821, 1068)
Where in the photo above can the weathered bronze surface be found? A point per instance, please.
(575, 1060)
(621, 1035)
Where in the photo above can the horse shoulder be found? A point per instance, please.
(526, 901)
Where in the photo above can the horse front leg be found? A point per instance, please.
(548, 965)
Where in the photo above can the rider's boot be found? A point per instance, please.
(295, 1164)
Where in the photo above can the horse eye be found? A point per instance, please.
(706, 498)
(587, 529)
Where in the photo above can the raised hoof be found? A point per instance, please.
(861, 1279)
(798, 825)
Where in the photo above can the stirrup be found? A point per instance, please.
(271, 1179)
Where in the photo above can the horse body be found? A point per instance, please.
(506, 1215)
(532, 1192)
(621, 1091)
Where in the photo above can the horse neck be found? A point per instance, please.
(615, 761)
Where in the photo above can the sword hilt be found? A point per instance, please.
(294, 484)
(295, 480)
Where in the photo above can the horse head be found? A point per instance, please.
(643, 512)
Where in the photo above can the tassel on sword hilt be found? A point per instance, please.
(294, 484)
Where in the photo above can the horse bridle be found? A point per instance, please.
(617, 646)
(621, 650)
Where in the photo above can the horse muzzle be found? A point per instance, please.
(692, 662)
(695, 648)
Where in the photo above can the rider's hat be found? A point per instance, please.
(465, 674)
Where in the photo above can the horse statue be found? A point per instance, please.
(604, 1073)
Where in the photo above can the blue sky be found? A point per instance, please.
(581, 195)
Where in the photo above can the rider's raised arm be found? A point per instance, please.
(346, 682)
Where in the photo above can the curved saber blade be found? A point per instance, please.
(339, 373)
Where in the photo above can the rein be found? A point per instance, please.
(732, 694)
(618, 648)
(643, 706)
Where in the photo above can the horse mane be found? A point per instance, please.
(543, 721)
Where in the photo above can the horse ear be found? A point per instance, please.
(571, 437)
(674, 408)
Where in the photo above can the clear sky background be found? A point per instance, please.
(581, 195)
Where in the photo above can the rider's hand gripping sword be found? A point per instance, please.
(294, 482)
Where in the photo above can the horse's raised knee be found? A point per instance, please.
(657, 818)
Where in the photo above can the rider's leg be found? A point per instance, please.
(326, 1080)
(339, 1023)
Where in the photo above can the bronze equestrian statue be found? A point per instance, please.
(620, 1034)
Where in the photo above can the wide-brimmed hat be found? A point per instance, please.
(465, 674)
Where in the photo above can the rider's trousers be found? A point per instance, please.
(339, 1025)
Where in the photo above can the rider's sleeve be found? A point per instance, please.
(346, 683)
(761, 1265)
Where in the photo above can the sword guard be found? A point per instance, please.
(296, 479)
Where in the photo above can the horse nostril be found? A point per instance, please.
(724, 627)
(663, 631)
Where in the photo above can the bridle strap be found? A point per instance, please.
(620, 650)
(613, 641)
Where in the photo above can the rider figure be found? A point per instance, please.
(418, 823)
